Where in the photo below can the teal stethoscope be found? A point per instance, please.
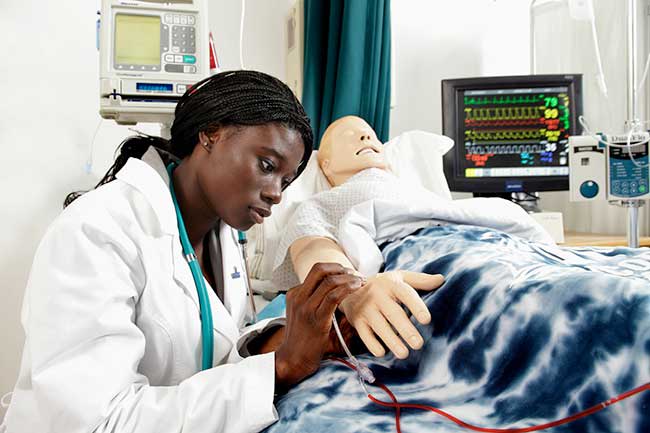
(207, 338)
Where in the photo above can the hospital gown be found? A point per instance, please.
(374, 206)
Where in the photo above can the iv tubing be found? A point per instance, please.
(398, 406)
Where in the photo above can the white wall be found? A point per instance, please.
(438, 39)
(49, 113)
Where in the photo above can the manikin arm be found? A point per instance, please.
(376, 308)
(306, 252)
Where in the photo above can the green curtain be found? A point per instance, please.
(347, 63)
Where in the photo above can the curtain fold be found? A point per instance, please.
(347, 62)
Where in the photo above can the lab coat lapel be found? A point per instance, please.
(221, 318)
(149, 176)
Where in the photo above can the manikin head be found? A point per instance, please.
(348, 146)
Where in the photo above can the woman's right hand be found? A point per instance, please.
(309, 307)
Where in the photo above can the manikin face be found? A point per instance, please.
(349, 145)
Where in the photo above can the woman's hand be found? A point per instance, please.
(376, 310)
(350, 336)
(309, 320)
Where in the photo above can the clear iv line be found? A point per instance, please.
(363, 371)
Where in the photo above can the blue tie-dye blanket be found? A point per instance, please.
(521, 334)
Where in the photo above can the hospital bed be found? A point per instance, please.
(522, 333)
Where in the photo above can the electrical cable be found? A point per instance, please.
(628, 145)
(644, 76)
(4, 401)
(241, 34)
(89, 162)
(638, 87)
(602, 84)
(398, 406)
(600, 76)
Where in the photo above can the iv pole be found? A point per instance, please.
(633, 121)
(632, 116)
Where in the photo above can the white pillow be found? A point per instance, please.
(415, 156)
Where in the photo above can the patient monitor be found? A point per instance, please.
(151, 52)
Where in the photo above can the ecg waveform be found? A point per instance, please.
(504, 113)
(503, 100)
(497, 123)
(516, 129)
(505, 150)
(505, 134)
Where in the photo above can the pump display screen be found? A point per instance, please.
(137, 40)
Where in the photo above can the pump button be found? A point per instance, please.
(589, 189)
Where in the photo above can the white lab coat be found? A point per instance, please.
(111, 316)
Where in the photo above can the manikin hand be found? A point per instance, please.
(375, 309)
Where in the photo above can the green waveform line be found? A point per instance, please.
(505, 135)
(503, 100)
(504, 113)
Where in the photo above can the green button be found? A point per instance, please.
(189, 59)
(642, 188)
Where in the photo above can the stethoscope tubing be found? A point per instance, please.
(207, 337)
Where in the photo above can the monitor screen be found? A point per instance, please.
(511, 134)
(137, 39)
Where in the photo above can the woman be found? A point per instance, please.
(111, 311)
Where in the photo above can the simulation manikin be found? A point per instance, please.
(348, 147)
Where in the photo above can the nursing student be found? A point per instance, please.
(112, 314)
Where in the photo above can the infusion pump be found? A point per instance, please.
(609, 168)
(151, 52)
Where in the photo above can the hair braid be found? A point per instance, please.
(235, 98)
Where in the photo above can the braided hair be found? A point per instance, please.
(234, 98)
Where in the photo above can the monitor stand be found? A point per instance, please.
(527, 200)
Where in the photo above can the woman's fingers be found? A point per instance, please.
(329, 303)
(309, 319)
(316, 274)
(325, 293)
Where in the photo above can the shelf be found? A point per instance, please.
(575, 239)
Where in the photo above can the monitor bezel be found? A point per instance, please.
(450, 90)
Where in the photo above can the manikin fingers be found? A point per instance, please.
(402, 324)
(422, 281)
(369, 339)
(382, 328)
(410, 298)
